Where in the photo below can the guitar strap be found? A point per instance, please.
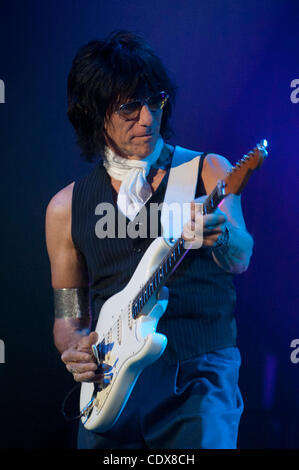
(180, 191)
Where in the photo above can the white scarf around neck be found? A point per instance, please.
(134, 190)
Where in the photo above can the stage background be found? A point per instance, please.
(233, 62)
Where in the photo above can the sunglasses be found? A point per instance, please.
(132, 109)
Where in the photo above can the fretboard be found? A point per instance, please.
(214, 199)
(167, 266)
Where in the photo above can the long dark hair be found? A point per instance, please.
(106, 73)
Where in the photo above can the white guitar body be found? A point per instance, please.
(132, 344)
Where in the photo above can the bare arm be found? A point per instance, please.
(236, 258)
(68, 270)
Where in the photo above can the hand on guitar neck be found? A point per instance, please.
(223, 231)
(204, 230)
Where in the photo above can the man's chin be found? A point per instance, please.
(146, 148)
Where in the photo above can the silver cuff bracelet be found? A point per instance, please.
(71, 303)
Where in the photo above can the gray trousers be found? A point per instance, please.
(194, 404)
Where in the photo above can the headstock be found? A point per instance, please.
(238, 176)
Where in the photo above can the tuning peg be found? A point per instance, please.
(263, 143)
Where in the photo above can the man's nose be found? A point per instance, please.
(146, 116)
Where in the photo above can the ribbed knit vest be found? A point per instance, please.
(200, 312)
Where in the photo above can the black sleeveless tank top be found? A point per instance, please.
(200, 312)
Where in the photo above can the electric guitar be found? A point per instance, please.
(128, 341)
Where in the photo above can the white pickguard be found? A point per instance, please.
(134, 342)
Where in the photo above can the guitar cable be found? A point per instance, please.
(66, 416)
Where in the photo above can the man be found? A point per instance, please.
(120, 101)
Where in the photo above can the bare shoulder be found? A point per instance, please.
(215, 167)
(67, 264)
(60, 206)
(59, 218)
(216, 163)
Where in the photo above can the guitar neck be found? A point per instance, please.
(175, 255)
(215, 198)
(233, 183)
